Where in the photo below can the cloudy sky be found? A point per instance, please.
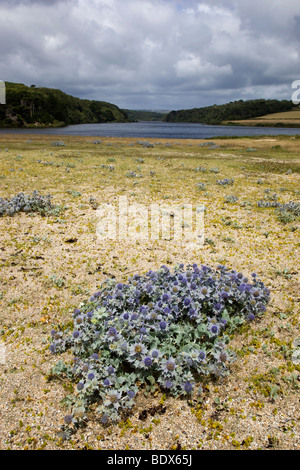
(153, 54)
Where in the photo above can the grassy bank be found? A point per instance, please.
(283, 119)
(50, 264)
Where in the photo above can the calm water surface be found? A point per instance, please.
(157, 129)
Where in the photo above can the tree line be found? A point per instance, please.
(232, 111)
(39, 106)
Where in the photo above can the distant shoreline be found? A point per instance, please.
(153, 130)
(262, 124)
(276, 125)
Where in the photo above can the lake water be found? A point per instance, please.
(157, 129)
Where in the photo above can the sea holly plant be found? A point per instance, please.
(166, 329)
(286, 212)
(26, 203)
(225, 181)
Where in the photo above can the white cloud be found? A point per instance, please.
(204, 73)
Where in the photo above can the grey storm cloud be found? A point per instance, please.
(166, 54)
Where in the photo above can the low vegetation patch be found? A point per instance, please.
(166, 329)
(26, 203)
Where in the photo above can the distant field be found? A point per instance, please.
(276, 119)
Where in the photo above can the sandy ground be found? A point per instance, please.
(51, 264)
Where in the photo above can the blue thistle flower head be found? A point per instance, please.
(214, 329)
(188, 387)
(155, 354)
(68, 419)
(148, 361)
(250, 317)
(223, 357)
(168, 384)
(192, 313)
(80, 386)
(112, 331)
(201, 356)
(137, 349)
(170, 365)
(104, 419)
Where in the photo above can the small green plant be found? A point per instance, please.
(225, 182)
(284, 273)
(58, 143)
(74, 192)
(289, 212)
(93, 202)
(209, 241)
(57, 281)
(269, 200)
(228, 240)
(231, 199)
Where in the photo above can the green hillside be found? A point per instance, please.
(233, 111)
(144, 115)
(47, 107)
